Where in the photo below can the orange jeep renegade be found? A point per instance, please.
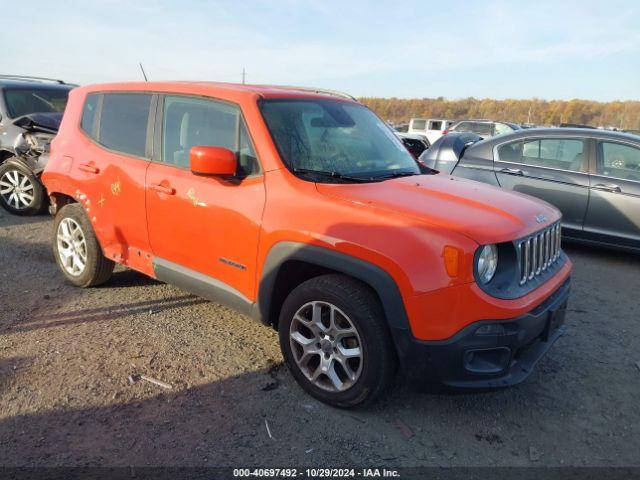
(302, 209)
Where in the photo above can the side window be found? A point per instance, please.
(88, 121)
(483, 129)
(510, 152)
(418, 124)
(463, 127)
(189, 122)
(435, 125)
(531, 149)
(560, 153)
(619, 161)
(501, 128)
(123, 122)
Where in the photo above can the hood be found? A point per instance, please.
(483, 213)
(40, 122)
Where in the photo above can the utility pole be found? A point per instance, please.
(243, 75)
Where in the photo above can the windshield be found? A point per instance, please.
(41, 100)
(345, 139)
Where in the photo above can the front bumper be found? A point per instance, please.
(504, 356)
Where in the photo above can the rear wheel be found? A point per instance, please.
(77, 250)
(335, 340)
(21, 193)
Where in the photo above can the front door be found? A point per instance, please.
(614, 206)
(204, 228)
(553, 169)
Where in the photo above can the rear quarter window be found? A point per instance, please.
(89, 115)
(510, 152)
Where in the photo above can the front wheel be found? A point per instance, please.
(21, 193)
(77, 250)
(335, 341)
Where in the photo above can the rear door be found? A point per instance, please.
(553, 169)
(110, 166)
(614, 205)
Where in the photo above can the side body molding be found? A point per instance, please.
(202, 285)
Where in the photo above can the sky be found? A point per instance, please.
(412, 49)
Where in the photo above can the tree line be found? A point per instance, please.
(619, 114)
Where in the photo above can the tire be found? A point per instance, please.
(82, 263)
(357, 311)
(21, 193)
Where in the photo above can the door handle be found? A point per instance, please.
(609, 187)
(512, 171)
(85, 167)
(162, 189)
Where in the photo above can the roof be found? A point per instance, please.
(563, 132)
(221, 89)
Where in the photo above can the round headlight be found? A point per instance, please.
(487, 263)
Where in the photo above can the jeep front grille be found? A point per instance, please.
(538, 252)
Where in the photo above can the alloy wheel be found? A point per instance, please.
(72, 246)
(17, 189)
(326, 346)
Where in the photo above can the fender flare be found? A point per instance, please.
(15, 160)
(6, 154)
(377, 278)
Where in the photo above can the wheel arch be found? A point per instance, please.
(5, 155)
(289, 263)
(59, 200)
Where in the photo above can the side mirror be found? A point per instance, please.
(212, 161)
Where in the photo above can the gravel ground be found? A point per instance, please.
(66, 355)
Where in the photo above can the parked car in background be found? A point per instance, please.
(431, 128)
(359, 256)
(416, 144)
(483, 128)
(591, 175)
(30, 114)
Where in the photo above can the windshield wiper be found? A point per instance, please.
(395, 175)
(337, 175)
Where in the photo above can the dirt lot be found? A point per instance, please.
(66, 355)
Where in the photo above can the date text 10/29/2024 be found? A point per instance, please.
(315, 473)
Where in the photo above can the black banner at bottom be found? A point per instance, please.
(329, 473)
